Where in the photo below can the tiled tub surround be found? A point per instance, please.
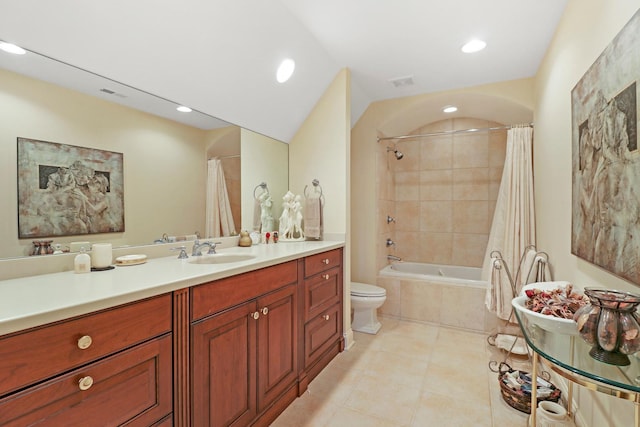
(442, 193)
(450, 302)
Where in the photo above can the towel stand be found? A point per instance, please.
(535, 273)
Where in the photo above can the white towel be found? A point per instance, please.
(313, 218)
(257, 213)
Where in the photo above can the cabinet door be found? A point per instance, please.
(132, 387)
(224, 369)
(277, 344)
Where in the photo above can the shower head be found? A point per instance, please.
(396, 153)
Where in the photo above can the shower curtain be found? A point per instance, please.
(513, 227)
(219, 219)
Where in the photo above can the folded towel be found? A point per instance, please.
(313, 218)
(257, 212)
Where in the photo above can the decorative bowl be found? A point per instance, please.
(544, 321)
(547, 286)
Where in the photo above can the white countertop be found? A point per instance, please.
(36, 300)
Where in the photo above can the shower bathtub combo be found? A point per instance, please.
(441, 294)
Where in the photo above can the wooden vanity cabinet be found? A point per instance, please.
(244, 359)
(321, 330)
(111, 367)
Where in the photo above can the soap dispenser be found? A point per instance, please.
(82, 262)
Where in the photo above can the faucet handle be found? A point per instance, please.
(212, 247)
(183, 252)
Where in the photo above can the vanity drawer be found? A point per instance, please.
(321, 292)
(321, 333)
(216, 296)
(133, 387)
(37, 354)
(314, 264)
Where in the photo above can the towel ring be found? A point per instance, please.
(316, 186)
(264, 187)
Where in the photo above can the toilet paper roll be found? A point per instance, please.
(101, 255)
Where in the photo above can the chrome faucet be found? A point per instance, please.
(394, 258)
(197, 247)
(390, 243)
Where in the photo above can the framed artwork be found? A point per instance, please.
(64, 190)
(606, 159)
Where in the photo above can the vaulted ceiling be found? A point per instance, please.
(220, 56)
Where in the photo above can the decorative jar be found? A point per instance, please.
(609, 324)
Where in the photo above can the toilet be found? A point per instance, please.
(365, 301)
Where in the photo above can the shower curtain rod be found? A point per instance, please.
(452, 132)
(225, 157)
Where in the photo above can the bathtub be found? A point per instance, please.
(445, 295)
(455, 275)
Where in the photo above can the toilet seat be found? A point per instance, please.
(365, 290)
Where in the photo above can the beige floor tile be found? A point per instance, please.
(453, 380)
(394, 402)
(410, 374)
(439, 410)
(398, 368)
(346, 417)
(307, 411)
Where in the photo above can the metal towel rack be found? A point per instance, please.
(316, 187)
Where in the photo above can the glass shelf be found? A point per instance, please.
(568, 355)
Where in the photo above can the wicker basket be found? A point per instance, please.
(518, 399)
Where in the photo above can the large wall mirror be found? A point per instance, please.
(165, 152)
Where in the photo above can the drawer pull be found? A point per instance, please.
(325, 317)
(84, 342)
(325, 261)
(325, 276)
(255, 315)
(85, 383)
(265, 311)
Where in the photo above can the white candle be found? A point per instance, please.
(101, 255)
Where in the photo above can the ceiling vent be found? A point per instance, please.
(114, 93)
(402, 81)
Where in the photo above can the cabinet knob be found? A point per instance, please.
(325, 317)
(84, 342)
(325, 261)
(265, 311)
(85, 383)
(325, 276)
(255, 315)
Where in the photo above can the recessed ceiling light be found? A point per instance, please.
(474, 46)
(12, 48)
(285, 70)
(184, 109)
(450, 109)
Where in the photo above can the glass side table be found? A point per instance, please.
(568, 356)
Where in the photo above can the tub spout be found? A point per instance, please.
(394, 258)
(390, 243)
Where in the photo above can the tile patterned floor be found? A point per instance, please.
(408, 375)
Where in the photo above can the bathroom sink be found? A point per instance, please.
(220, 258)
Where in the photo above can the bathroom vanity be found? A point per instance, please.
(171, 342)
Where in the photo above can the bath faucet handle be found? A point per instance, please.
(183, 252)
(390, 243)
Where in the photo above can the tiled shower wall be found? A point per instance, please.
(442, 193)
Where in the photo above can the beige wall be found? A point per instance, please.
(587, 27)
(505, 102)
(164, 168)
(320, 150)
(264, 159)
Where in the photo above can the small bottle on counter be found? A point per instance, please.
(82, 262)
